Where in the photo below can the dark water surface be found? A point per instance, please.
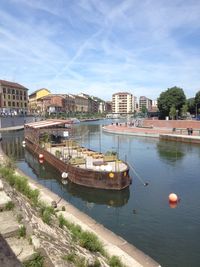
(140, 214)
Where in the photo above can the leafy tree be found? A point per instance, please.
(144, 110)
(197, 98)
(197, 102)
(171, 97)
(172, 112)
(191, 105)
(184, 111)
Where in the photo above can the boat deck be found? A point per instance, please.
(88, 159)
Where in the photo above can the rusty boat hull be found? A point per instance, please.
(114, 180)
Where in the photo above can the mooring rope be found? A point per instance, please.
(137, 175)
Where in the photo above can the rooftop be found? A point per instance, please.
(12, 84)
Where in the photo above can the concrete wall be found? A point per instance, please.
(172, 123)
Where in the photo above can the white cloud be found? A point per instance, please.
(101, 47)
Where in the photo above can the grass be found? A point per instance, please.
(22, 231)
(85, 239)
(46, 212)
(91, 242)
(37, 261)
(114, 261)
(9, 206)
(20, 183)
(78, 261)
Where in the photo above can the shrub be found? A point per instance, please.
(91, 242)
(46, 212)
(80, 262)
(37, 261)
(71, 257)
(96, 263)
(61, 221)
(22, 231)
(9, 205)
(63, 208)
(114, 261)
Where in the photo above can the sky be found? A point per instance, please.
(101, 47)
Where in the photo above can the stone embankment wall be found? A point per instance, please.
(172, 124)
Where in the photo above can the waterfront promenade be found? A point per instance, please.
(160, 129)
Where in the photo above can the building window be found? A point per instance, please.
(17, 92)
(17, 97)
(8, 91)
(8, 96)
(20, 97)
(25, 105)
(13, 91)
(4, 90)
(9, 103)
(20, 92)
(4, 103)
(25, 98)
(13, 104)
(17, 104)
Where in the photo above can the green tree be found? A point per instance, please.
(191, 105)
(197, 98)
(197, 103)
(172, 112)
(184, 110)
(171, 97)
(144, 110)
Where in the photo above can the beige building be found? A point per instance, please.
(122, 102)
(81, 103)
(13, 98)
(145, 102)
(34, 97)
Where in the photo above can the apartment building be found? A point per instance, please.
(34, 97)
(51, 103)
(145, 102)
(122, 102)
(13, 98)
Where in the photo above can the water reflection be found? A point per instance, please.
(170, 152)
(12, 144)
(97, 196)
(90, 195)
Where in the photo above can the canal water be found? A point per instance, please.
(140, 214)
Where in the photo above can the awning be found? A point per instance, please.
(47, 123)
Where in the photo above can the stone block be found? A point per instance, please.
(4, 199)
(1, 185)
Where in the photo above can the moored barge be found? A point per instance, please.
(53, 140)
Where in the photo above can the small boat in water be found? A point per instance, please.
(52, 140)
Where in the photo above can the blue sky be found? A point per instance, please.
(101, 46)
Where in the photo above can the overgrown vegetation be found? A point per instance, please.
(85, 239)
(20, 183)
(37, 261)
(46, 212)
(9, 206)
(22, 231)
(114, 261)
(78, 261)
